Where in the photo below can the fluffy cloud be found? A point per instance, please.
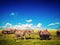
(3, 27)
(53, 24)
(23, 26)
(7, 25)
(39, 25)
(18, 26)
(0, 27)
(57, 23)
(29, 20)
(12, 13)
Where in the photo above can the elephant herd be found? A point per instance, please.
(43, 34)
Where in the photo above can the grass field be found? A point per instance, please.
(9, 39)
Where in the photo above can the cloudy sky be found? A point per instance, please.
(36, 13)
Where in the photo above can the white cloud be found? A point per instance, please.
(57, 23)
(23, 26)
(39, 25)
(53, 24)
(8, 24)
(3, 27)
(19, 23)
(29, 20)
(0, 27)
(12, 13)
(18, 26)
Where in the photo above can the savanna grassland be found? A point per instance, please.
(9, 39)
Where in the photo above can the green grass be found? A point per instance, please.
(9, 39)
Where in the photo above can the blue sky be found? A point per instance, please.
(39, 11)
